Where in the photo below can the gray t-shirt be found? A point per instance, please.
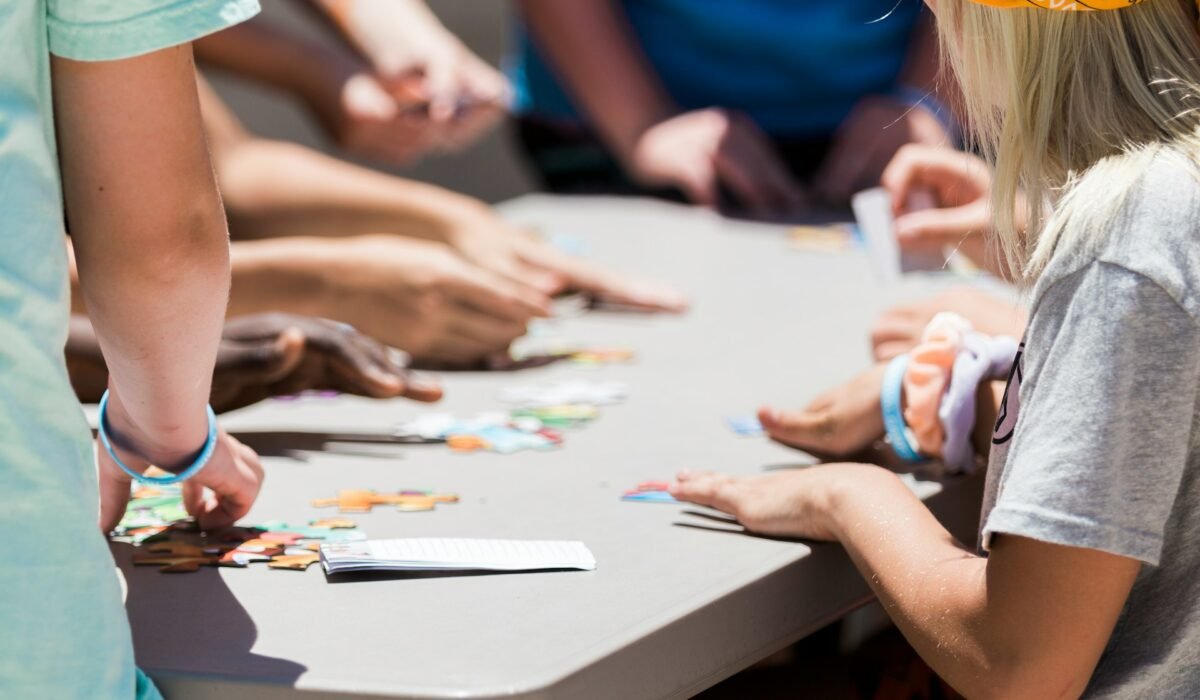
(1097, 444)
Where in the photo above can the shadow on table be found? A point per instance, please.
(368, 576)
(297, 444)
(178, 619)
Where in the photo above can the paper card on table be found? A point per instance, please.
(448, 554)
(873, 210)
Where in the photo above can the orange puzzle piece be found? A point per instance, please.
(362, 501)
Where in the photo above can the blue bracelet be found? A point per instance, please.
(925, 99)
(206, 452)
(898, 434)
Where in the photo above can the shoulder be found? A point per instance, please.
(1153, 233)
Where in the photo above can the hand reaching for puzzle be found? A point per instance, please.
(220, 494)
(840, 423)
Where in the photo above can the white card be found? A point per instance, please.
(873, 211)
(447, 554)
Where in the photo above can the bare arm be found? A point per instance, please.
(1017, 624)
(588, 44)
(149, 236)
(275, 188)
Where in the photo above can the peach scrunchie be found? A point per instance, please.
(928, 376)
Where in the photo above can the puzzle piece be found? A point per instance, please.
(174, 563)
(650, 492)
(363, 501)
(745, 426)
(295, 562)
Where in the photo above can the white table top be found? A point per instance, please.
(673, 606)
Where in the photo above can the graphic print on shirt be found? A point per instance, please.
(1010, 407)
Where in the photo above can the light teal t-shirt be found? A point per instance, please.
(65, 634)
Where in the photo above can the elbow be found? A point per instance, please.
(1021, 676)
(190, 241)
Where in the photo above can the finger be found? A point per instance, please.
(454, 351)
(471, 125)
(442, 86)
(488, 332)
(260, 361)
(606, 285)
(890, 350)
(913, 166)
(114, 496)
(364, 97)
(195, 497)
(756, 174)
(941, 226)
(711, 490)
(487, 292)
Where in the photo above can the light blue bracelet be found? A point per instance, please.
(206, 452)
(893, 416)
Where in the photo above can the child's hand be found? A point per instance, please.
(699, 152)
(233, 476)
(793, 503)
(275, 354)
(876, 130)
(960, 184)
(838, 424)
(226, 487)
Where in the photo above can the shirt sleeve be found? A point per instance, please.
(105, 30)
(1104, 431)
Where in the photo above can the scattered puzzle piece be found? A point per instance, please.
(745, 426)
(295, 562)
(650, 492)
(362, 501)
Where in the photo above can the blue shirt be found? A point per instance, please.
(797, 67)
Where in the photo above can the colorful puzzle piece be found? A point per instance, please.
(363, 501)
(745, 426)
(650, 492)
(177, 545)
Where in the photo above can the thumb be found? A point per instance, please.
(365, 98)
(114, 491)
(441, 85)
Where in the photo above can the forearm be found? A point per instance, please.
(933, 589)
(149, 236)
(255, 50)
(589, 44)
(286, 275)
(278, 189)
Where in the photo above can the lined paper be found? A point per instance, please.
(451, 554)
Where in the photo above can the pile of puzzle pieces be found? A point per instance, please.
(537, 423)
(157, 523)
(182, 548)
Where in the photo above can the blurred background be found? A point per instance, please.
(490, 170)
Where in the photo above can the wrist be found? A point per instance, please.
(169, 447)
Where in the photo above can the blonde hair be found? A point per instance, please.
(1071, 107)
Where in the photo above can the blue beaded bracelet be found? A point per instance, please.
(206, 452)
(898, 434)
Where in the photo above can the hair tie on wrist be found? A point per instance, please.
(898, 434)
(983, 358)
(206, 452)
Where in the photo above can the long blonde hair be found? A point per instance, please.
(1071, 107)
